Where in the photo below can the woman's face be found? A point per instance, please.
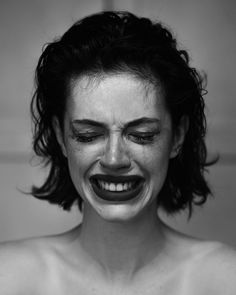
(118, 140)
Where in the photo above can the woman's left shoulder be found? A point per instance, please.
(214, 268)
(219, 256)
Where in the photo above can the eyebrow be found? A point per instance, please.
(134, 123)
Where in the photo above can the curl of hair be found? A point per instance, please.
(110, 43)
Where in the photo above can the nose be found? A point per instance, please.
(116, 156)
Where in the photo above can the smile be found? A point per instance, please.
(112, 188)
(115, 187)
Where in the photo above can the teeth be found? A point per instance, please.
(112, 187)
(119, 187)
(115, 186)
(105, 185)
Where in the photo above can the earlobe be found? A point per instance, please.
(179, 136)
(59, 135)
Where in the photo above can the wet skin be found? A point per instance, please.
(118, 138)
(118, 126)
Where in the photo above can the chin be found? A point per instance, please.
(124, 211)
(121, 211)
(118, 213)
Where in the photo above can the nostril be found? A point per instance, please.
(115, 161)
(115, 164)
(115, 154)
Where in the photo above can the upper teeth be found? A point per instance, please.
(115, 186)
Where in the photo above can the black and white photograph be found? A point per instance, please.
(117, 147)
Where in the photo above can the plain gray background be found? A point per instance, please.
(205, 28)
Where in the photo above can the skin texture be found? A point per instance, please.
(115, 102)
(120, 247)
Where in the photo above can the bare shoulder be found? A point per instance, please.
(35, 265)
(221, 260)
(214, 268)
(209, 267)
(22, 263)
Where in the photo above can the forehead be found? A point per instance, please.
(115, 96)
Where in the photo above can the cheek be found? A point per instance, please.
(156, 159)
(81, 160)
(79, 163)
(78, 160)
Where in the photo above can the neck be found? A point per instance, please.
(122, 249)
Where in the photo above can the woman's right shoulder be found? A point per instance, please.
(22, 263)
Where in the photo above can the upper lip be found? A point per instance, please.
(116, 179)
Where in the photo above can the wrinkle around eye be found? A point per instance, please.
(86, 137)
(142, 137)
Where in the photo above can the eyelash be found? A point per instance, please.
(139, 138)
(143, 138)
(86, 137)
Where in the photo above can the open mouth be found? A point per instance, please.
(116, 188)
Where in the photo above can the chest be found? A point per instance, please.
(174, 285)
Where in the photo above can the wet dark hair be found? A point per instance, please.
(110, 43)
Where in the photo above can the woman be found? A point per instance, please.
(119, 117)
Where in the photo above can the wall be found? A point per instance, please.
(205, 28)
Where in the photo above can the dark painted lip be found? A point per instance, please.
(117, 196)
(116, 179)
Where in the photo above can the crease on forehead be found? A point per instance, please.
(89, 82)
(86, 84)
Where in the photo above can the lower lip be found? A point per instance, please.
(117, 196)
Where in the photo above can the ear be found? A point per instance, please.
(59, 135)
(179, 136)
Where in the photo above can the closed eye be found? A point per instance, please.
(142, 137)
(86, 136)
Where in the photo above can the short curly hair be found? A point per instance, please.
(115, 42)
